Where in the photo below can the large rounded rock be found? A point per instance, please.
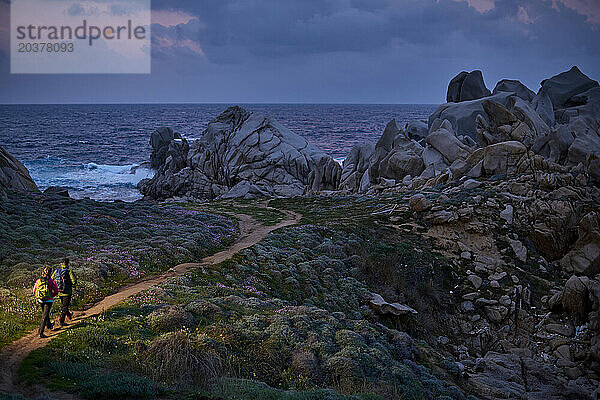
(503, 158)
(584, 257)
(447, 144)
(417, 129)
(514, 86)
(419, 202)
(562, 87)
(396, 155)
(542, 104)
(455, 86)
(467, 86)
(473, 87)
(355, 166)
(14, 175)
(575, 299)
(405, 159)
(160, 141)
(463, 116)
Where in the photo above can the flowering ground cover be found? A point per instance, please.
(285, 319)
(110, 244)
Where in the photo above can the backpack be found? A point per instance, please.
(42, 291)
(62, 279)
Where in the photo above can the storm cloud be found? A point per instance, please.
(341, 50)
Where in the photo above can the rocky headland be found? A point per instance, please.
(240, 155)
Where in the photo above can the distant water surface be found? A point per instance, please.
(91, 149)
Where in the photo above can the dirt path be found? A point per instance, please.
(11, 356)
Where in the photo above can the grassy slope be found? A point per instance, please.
(290, 312)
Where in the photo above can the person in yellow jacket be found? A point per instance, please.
(65, 281)
(44, 291)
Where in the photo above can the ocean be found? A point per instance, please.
(91, 149)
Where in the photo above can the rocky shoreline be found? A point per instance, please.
(477, 134)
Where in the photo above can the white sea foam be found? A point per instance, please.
(97, 181)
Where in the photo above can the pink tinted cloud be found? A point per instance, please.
(523, 16)
(481, 5)
(165, 42)
(589, 8)
(168, 18)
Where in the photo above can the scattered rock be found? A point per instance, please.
(507, 214)
(471, 184)
(419, 202)
(475, 280)
(496, 313)
(518, 248)
(379, 305)
(57, 191)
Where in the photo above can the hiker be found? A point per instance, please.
(65, 280)
(44, 291)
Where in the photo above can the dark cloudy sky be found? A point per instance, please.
(331, 51)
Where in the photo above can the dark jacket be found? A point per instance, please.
(69, 290)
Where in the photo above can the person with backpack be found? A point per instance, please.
(65, 281)
(44, 291)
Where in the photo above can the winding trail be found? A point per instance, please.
(11, 356)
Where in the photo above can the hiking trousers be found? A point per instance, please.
(65, 302)
(45, 322)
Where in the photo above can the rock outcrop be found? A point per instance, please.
(417, 129)
(13, 175)
(240, 154)
(463, 116)
(380, 306)
(467, 86)
(57, 191)
(510, 132)
(535, 216)
(516, 87)
(393, 158)
(169, 149)
(355, 166)
(564, 86)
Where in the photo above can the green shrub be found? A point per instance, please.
(99, 385)
(8, 329)
(242, 389)
(11, 396)
(169, 318)
(89, 337)
(178, 358)
(120, 386)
